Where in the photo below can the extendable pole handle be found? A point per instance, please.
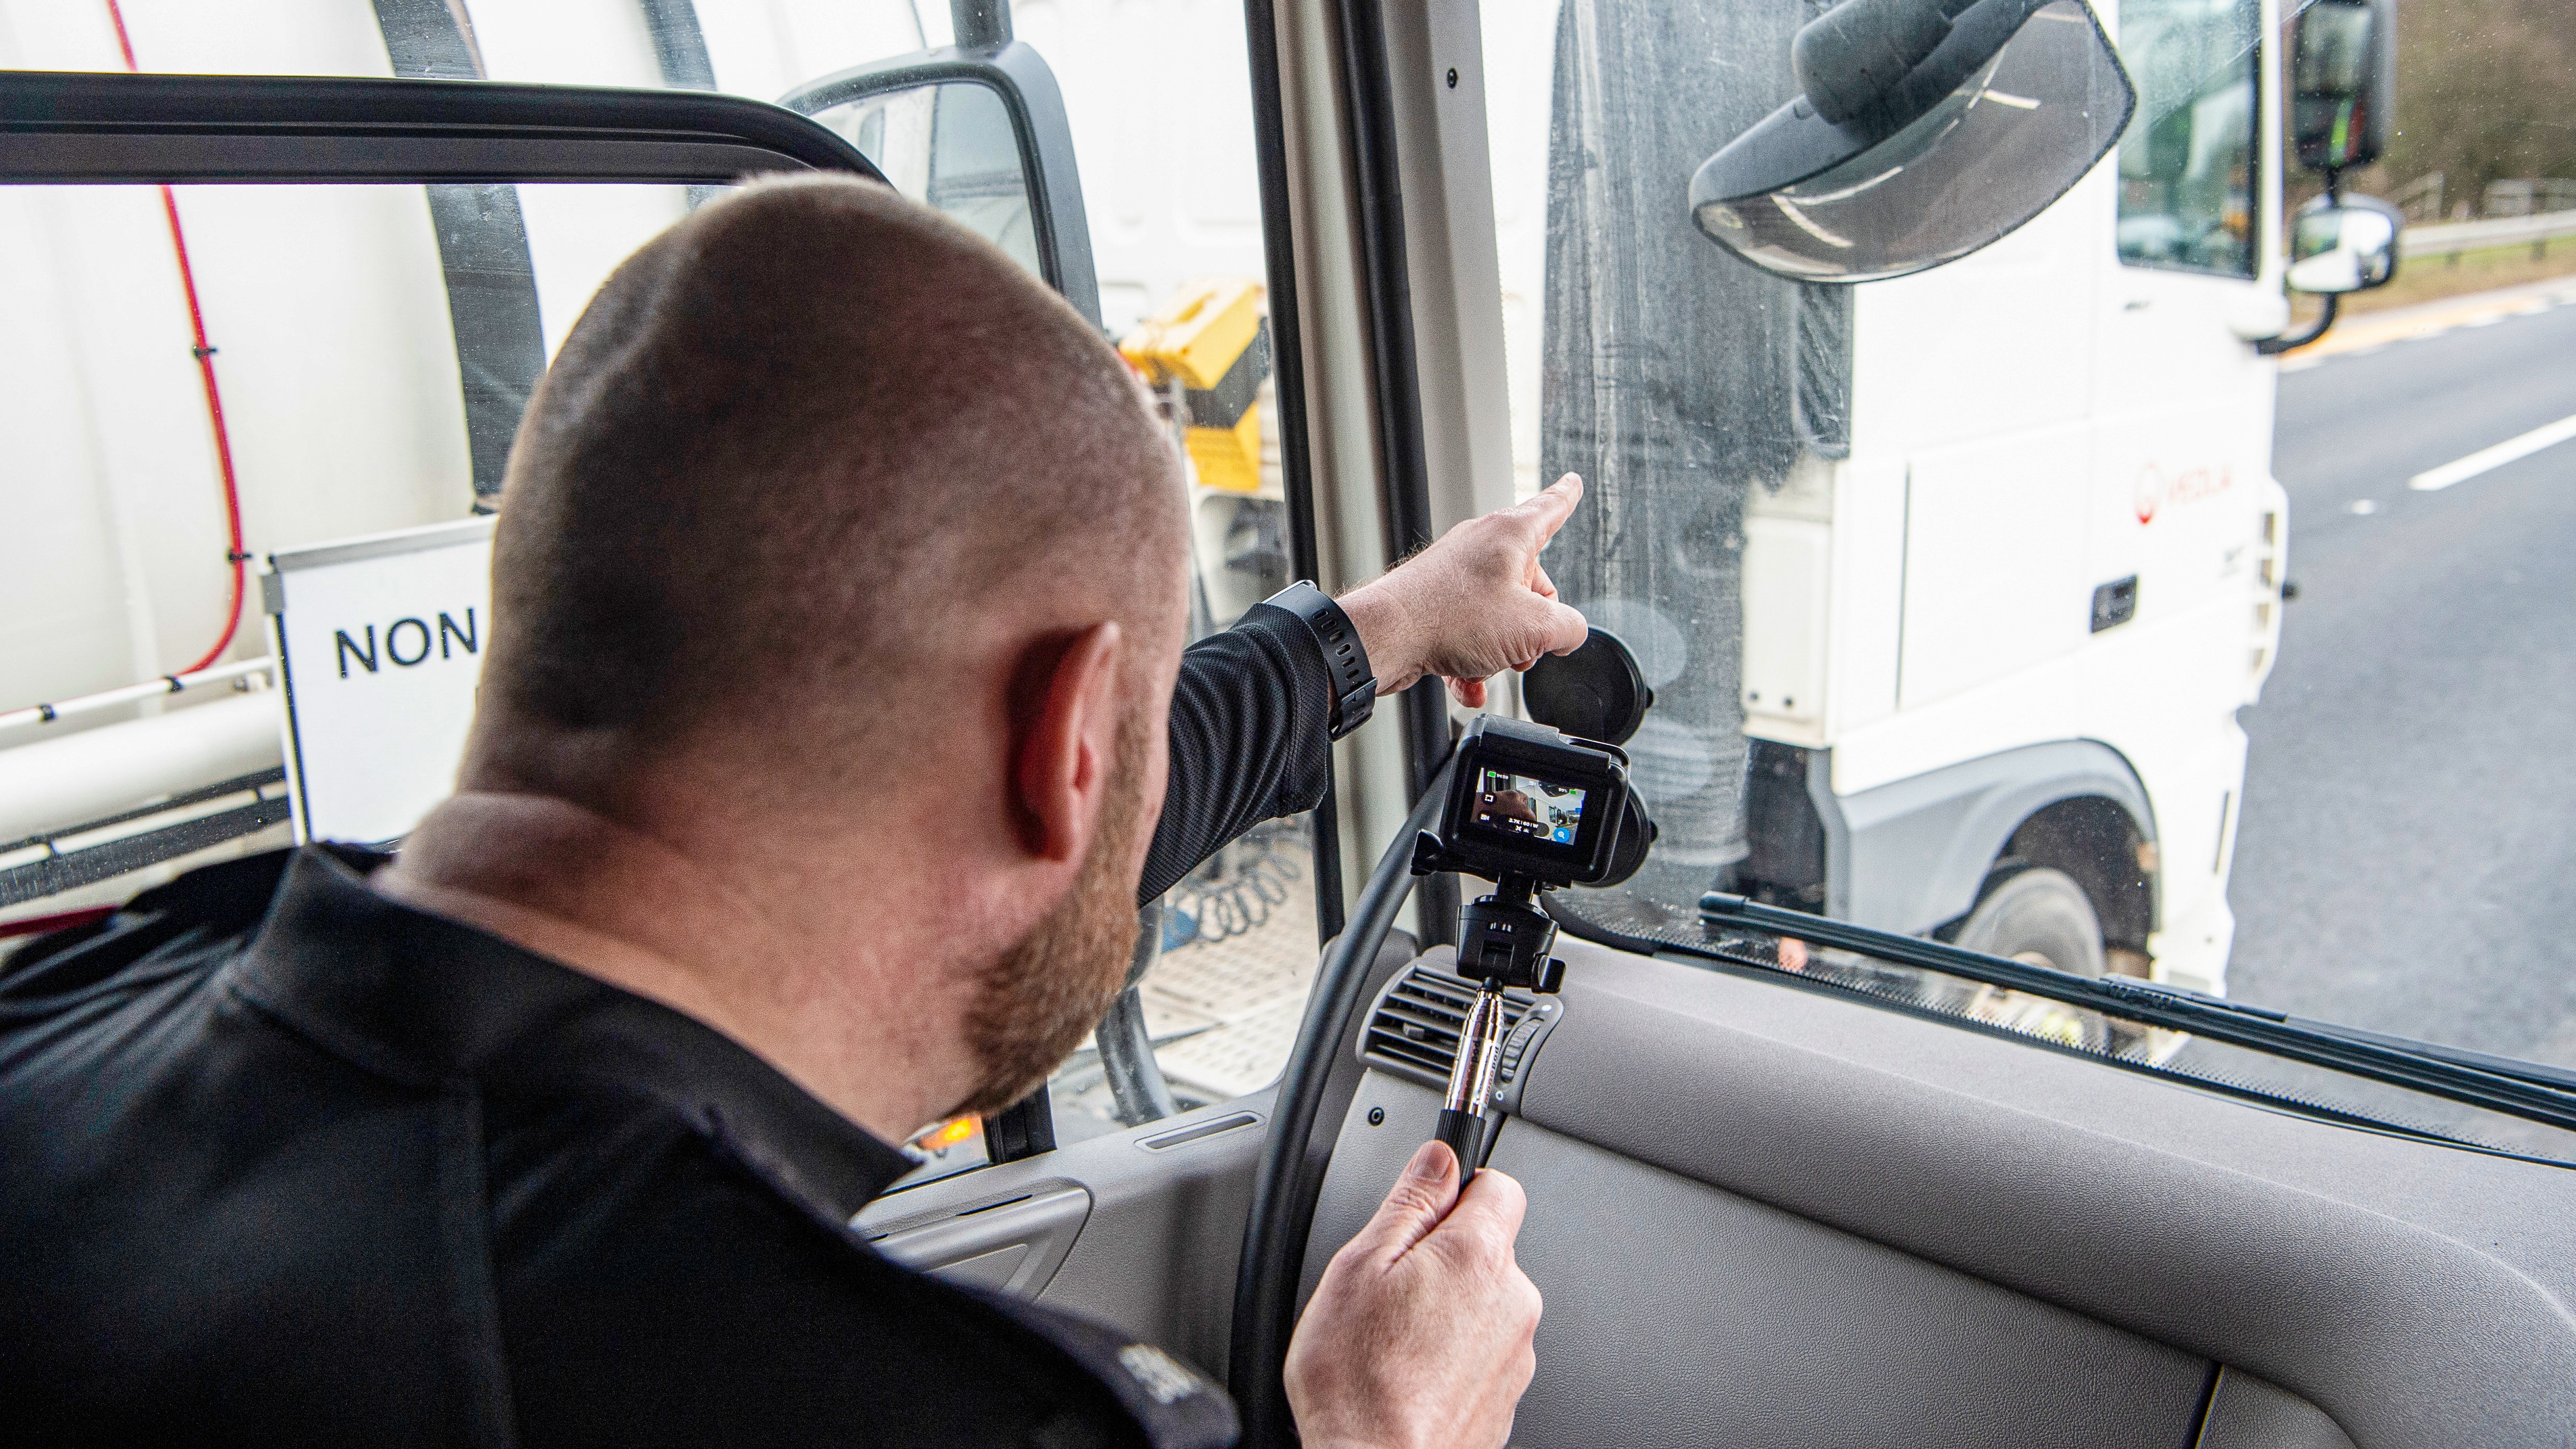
(1465, 1132)
(1463, 1122)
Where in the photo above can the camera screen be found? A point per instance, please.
(1526, 806)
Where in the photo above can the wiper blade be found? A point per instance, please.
(2523, 1089)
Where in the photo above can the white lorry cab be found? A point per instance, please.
(2004, 534)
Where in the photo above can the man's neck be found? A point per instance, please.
(617, 903)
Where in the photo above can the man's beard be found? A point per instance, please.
(1050, 988)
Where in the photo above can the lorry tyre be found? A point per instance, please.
(2039, 917)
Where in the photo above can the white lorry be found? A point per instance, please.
(1996, 613)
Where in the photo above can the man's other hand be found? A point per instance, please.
(1473, 604)
(1418, 1336)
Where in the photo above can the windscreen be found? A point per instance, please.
(2020, 603)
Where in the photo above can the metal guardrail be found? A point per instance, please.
(2453, 238)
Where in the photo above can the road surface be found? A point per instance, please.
(2406, 859)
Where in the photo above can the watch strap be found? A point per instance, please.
(1346, 662)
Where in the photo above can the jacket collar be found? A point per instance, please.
(436, 1004)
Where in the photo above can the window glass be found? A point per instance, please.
(1160, 101)
(1963, 595)
(204, 371)
(1174, 213)
(2187, 163)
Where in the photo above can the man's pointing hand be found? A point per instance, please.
(1473, 604)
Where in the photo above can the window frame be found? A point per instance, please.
(97, 128)
(106, 128)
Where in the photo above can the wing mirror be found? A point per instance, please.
(977, 131)
(2343, 75)
(2343, 246)
(1925, 130)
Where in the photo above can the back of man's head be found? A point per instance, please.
(802, 453)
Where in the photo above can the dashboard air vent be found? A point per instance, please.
(1414, 1028)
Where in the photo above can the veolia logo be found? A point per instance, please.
(2156, 492)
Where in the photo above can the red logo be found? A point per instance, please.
(2154, 491)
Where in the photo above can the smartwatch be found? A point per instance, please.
(1354, 684)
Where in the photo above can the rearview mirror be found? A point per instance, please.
(2343, 76)
(2346, 246)
(1927, 129)
(977, 132)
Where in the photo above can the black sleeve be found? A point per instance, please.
(1251, 740)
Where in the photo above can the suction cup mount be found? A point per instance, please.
(1595, 693)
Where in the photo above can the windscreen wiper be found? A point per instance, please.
(2522, 1089)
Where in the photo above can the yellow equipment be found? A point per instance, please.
(1213, 338)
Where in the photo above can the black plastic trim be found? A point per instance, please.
(1023, 1129)
(184, 129)
(1395, 370)
(1288, 391)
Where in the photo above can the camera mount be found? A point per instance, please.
(1531, 810)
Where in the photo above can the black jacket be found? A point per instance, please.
(284, 1162)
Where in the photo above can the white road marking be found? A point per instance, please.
(2485, 459)
(2365, 506)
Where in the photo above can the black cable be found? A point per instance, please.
(1291, 1175)
(1236, 889)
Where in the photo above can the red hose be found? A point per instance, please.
(64, 921)
(205, 354)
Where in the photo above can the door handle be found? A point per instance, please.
(1013, 1246)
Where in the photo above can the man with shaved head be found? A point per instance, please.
(837, 716)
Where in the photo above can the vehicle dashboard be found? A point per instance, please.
(1767, 1215)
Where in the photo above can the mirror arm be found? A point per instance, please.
(2275, 346)
(980, 24)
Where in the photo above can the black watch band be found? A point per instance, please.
(1354, 685)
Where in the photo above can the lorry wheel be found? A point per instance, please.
(2039, 917)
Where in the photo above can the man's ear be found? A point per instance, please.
(1067, 717)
